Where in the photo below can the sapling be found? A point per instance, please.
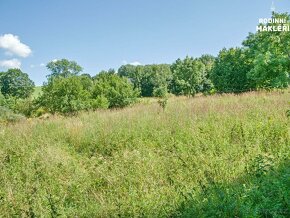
(163, 101)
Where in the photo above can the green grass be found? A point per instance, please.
(216, 156)
(37, 92)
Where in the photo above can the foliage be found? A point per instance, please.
(18, 105)
(118, 91)
(215, 156)
(269, 52)
(65, 95)
(163, 102)
(8, 116)
(207, 86)
(2, 100)
(265, 196)
(15, 83)
(100, 102)
(151, 80)
(37, 92)
(63, 68)
(24, 106)
(188, 75)
(230, 71)
(160, 91)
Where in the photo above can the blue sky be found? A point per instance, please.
(103, 34)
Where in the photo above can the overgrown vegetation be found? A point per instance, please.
(215, 156)
(262, 63)
(209, 156)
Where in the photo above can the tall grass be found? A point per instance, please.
(217, 156)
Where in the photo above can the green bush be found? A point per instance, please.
(100, 102)
(7, 115)
(160, 91)
(65, 95)
(117, 90)
(39, 112)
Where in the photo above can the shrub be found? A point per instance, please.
(7, 115)
(100, 102)
(160, 91)
(65, 95)
(24, 106)
(117, 90)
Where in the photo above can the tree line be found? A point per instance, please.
(263, 62)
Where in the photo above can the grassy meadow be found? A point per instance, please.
(216, 156)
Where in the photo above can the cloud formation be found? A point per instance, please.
(12, 45)
(12, 63)
(135, 63)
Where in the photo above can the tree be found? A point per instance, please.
(87, 75)
(117, 90)
(17, 84)
(158, 77)
(270, 54)
(206, 84)
(65, 95)
(66, 92)
(151, 80)
(187, 76)
(133, 73)
(63, 68)
(230, 71)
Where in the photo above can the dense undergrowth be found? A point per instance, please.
(216, 156)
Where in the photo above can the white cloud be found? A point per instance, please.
(135, 63)
(12, 63)
(32, 65)
(42, 65)
(12, 45)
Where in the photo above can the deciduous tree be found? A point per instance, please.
(16, 83)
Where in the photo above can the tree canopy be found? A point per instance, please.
(270, 54)
(65, 95)
(151, 80)
(230, 71)
(188, 76)
(118, 91)
(63, 68)
(262, 62)
(15, 83)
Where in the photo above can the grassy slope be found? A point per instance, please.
(208, 156)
